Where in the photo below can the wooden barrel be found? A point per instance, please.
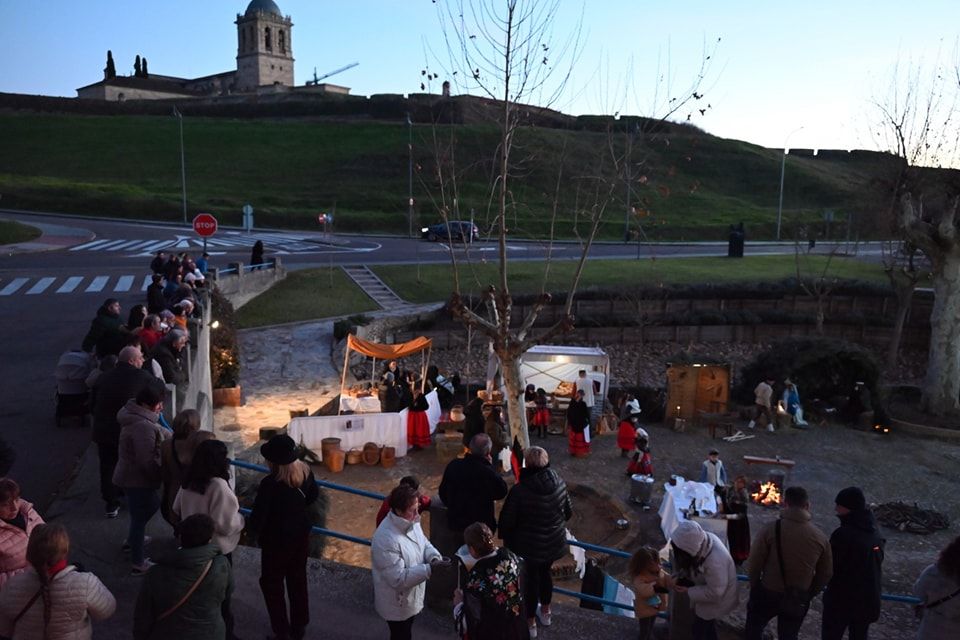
(354, 456)
(388, 457)
(328, 444)
(334, 460)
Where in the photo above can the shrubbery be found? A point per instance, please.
(224, 350)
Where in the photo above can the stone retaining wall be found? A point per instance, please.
(241, 284)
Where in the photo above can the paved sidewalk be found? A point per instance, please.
(53, 236)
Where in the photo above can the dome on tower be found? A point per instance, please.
(266, 6)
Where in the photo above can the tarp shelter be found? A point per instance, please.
(692, 388)
(379, 351)
(546, 366)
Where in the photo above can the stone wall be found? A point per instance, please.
(240, 284)
(197, 393)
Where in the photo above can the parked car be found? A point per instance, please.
(454, 230)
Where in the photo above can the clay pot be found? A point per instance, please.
(328, 444)
(227, 397)
(334, 460)
(456, 414)
(388, 457)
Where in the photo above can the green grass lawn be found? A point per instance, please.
(12, 232)
(527, 277)
(305, 295)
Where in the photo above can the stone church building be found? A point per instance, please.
(264, 65)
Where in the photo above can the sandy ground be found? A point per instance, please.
(892, 467)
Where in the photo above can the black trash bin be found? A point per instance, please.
(735, 242)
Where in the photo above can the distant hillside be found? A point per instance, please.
(691, 185)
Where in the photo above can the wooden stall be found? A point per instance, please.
(696, 388)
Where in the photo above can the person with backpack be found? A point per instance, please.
(53, 600)
(852, 599)
(182, 594)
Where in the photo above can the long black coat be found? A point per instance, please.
(854, 589)
(534, 515)
(469, 488)
(578, 415)
(114, 388)
(156, 302)
(473, 420)
(171, 363)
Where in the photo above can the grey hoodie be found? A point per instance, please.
(714, 593)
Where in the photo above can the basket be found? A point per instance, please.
(371, 454)
(354, 456)
(388, 457)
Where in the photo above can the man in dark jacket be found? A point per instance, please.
(470, 486)
(533, 525)
(197, 563)
(114, 388)
(852, 600)
(156, 301)
(169, 355)
(804, 566)
(106, 334)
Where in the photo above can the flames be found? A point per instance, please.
(767, 495)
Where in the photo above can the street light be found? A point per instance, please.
(410, 177)
(783, 167)
(183, 166)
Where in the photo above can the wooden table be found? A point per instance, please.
(783, 462)
(716, 420)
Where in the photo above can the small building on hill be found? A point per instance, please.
(264, 65)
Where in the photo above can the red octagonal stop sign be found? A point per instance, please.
(205, 225)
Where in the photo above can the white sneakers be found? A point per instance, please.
(543, 617)
(751, 424)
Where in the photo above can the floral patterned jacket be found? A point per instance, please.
(493, 605)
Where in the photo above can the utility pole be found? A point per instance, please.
(183, 165)
(783, 168)
(409, 176)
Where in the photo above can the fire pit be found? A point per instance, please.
(769, 493)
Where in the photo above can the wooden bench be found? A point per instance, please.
(782, 462)
(713, 421)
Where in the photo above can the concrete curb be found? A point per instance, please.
(52, 237)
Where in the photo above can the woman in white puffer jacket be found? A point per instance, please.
(52, 600)
(401, 560)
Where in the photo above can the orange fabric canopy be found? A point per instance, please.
(387, 351)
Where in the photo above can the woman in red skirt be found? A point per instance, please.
(627, 433)
(541, 416)
(418, 427)
(578, 420)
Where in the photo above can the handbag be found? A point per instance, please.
(794, 602)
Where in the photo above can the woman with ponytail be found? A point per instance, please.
(52, 600)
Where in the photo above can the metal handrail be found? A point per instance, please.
(575, 543)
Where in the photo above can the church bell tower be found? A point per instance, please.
(264, 47)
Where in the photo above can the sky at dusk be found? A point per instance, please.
(778, 66)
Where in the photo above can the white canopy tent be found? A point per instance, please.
(546, 366)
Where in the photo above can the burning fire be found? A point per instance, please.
(767, 494)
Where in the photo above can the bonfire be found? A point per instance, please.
(767, 495)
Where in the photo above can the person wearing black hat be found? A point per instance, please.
(281, 521)
(852, 599)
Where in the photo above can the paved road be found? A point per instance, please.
(47, 299)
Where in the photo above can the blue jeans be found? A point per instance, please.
(143, 503)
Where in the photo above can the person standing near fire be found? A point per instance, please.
(763, 396)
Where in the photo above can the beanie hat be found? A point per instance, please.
(852, 498)
(689, 537)
(280, 449)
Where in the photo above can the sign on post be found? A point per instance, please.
(205, 225)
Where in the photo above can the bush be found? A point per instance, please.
(821, 367)
(224, 350)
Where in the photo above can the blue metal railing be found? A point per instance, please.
(617, 553)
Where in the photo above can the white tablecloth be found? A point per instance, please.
(678, 497)
(369, 404)
(389, 429)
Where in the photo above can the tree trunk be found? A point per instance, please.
(941, 388)
(904, 300)
(510, 369)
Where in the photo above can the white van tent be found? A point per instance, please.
(546, 366)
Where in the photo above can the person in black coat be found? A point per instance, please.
(256, 255)
(169, 355)
(473, 420)
(533, 525)
(281, 521)
(114, 388)
(158, 262)
(389, 393)
(107, 333)
(852, 598)
(470, 486)
(578, 420)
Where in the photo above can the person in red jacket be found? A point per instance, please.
(413, 483)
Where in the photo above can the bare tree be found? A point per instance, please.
(505, 51)
(901, 263)
(917, 121)
(815, 281)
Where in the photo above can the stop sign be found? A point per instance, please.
(205, 225)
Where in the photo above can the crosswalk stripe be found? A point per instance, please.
(124, 245)
(139, 245)
(146, 282)
(112, 243)
(13, 285)
(90, 245)
(98, 284)
(156, 245)
(40, 286)
(70, 284)
(123, 283)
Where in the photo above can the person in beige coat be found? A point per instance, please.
(17, 519)
(53, 600)
(175, 456)
(206, 490)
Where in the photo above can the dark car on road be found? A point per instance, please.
(454, 230)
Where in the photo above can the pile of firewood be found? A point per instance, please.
(910, 518)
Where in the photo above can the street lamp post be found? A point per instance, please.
(183, 165)
(783, 167)
(410, 177)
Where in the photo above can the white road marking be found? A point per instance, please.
(111, 243)
(123, 283)
(40, 286)
(70, 284)
(124, 245)
(98, 284)
(90, 245)
(12, 287)
(146, 282)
